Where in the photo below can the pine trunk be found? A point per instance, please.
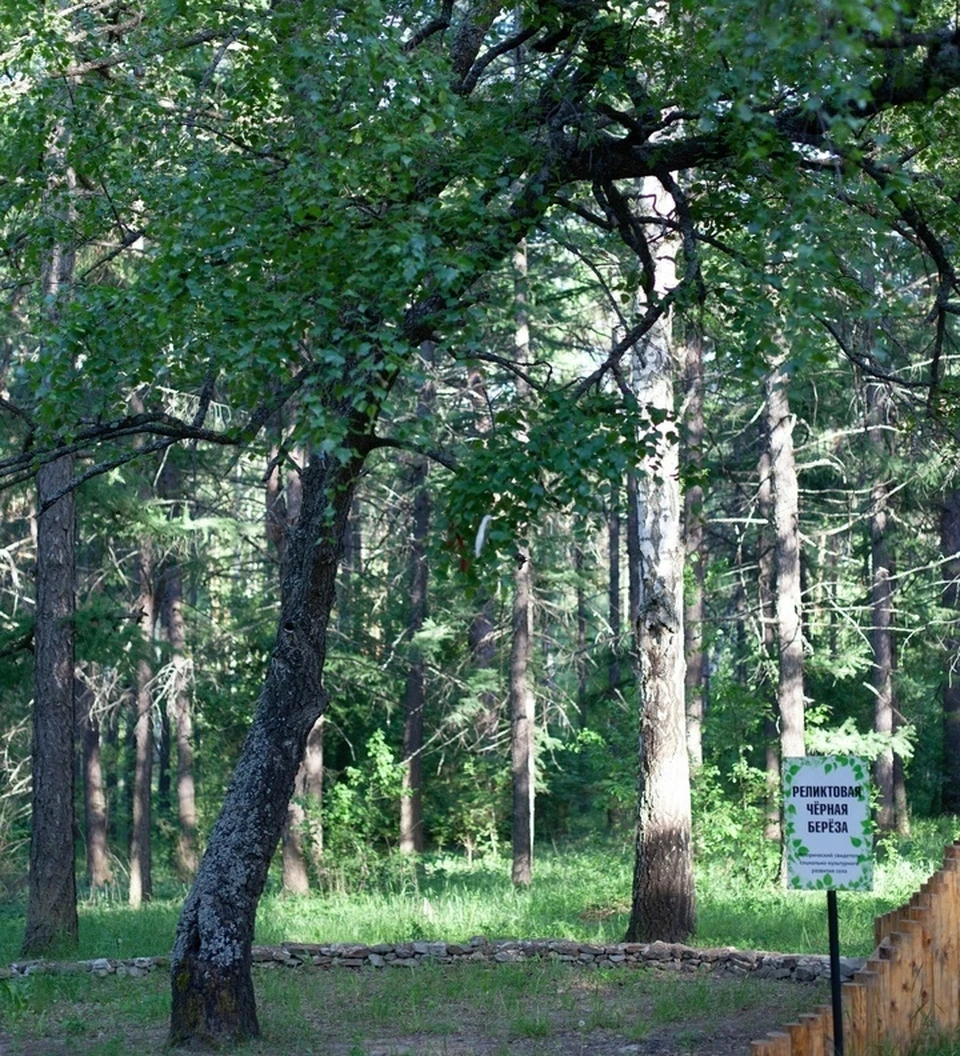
(766, 561)
(141, 872)
(881, 604)
(580, 662)
(522, 716)
(950, 548)
(212, 989)
(51, 913)
(613, 537)
(411, 799)
(881, 641)
(522, 721)
(180, 714)
(693, 542)
(786, 516)
(94, 798)
(52, 902)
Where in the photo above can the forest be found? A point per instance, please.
(463, 425)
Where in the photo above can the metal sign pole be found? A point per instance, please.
(833, 928)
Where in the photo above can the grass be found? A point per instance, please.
(524, 1008)
(579, 893)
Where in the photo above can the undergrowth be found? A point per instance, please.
(581, 892)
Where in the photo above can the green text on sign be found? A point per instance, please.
(828, 830)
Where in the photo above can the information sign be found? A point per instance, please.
(828, 829)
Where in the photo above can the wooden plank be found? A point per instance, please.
(921, 1011)
(799, 1038)
(854, 1019)
(776, 1043)
(949, 945)
(939, 935)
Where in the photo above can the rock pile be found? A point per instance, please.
(659, 956)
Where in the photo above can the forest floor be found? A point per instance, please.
(520, 1011)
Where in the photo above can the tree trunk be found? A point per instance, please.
(950, 548)
(52, 902)
(212, 989)
(94, 798)
(311, 773)
(694, 548)
(881, 606)
(283, 505)
(633, 563)
(786, 515)
(522, 716)
(616, 629)
(180, 714)
(580, 661)
(881, 641)
(482, 640)
(522, 719)
(141, 872)
(411, 798)
(766, 562)
(663, 902)
(51, 913)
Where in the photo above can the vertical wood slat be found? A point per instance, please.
(854, 1019)
(924, 982)
(950, 945)
(799, 1034)
(911, 981)
(776, 1043)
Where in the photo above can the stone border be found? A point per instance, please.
(800, 968)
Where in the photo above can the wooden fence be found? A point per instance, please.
(911, 984)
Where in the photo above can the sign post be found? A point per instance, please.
(828, 841)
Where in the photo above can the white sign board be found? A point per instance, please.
(828, 829)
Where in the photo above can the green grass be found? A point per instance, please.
(528, 1008)
(579, 893)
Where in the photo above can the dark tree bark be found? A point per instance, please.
(212, 989)
(51, 914)
(94, 796)
(51, 918)
(693, 542)
(950, 548)
(141, 866)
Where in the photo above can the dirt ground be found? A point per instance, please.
(571, 1016)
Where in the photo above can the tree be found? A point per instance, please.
(319, 190)
(522, 702)
(663, 904)
(786, 518)
(51, 905)
(411, 802)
